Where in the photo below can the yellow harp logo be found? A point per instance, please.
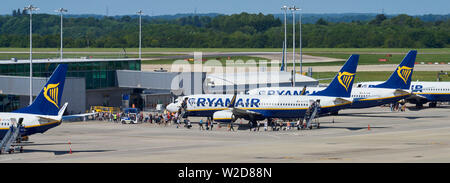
(345, 78)
(404, 72)
(51, 93)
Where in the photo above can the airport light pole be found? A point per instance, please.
(293, 9)
(61, 11)
(140, 33)
(31, 8)
(285, 8)
(301, 54)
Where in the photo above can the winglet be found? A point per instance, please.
(233, 101)
(303, 90)
(61, 111)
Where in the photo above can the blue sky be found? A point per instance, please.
(164, 7)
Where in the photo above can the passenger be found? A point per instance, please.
(166, 119)
(201, 125)
(231, 127)
(299, 123)
(189, 124)
(141, 117)
(403, 108)
(145, 119)
(174, 117)
(307, 114)
(265, 125)
(396, 108)
(178, 122)
(158, 119)
(272, 125)
(212, 123)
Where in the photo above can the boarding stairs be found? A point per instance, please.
(310, 122)
(8, 143)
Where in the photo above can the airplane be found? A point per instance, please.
(423, 92)
(44, 113)
(228, 108)
(392, 90)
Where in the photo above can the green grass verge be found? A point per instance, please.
(373, 59)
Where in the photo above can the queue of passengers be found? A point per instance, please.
(158, 118)
(167, 118)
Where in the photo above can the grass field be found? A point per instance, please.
(381, 76)
(368, 56)
(364, 59)
(373, 59)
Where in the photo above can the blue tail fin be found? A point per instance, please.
(401, 78)
(341, 86)
(49, 100)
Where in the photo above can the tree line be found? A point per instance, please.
(242, 30)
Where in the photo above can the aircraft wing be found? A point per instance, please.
(416, 97)
(401, 92)
(77, 116)
(246, 114)
(47, 119)
(339, 100)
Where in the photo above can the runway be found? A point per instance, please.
(411, 136)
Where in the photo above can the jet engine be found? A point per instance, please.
(224, 116)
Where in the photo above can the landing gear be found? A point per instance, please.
(432, 104)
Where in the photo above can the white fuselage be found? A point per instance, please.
(32, 123)
(268, 106)
(431, 91)
(361, 97)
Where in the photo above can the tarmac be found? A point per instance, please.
(355, 135)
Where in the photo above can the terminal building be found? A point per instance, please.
(89, 82)
(119, 83)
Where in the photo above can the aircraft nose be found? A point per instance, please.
(172, 107)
